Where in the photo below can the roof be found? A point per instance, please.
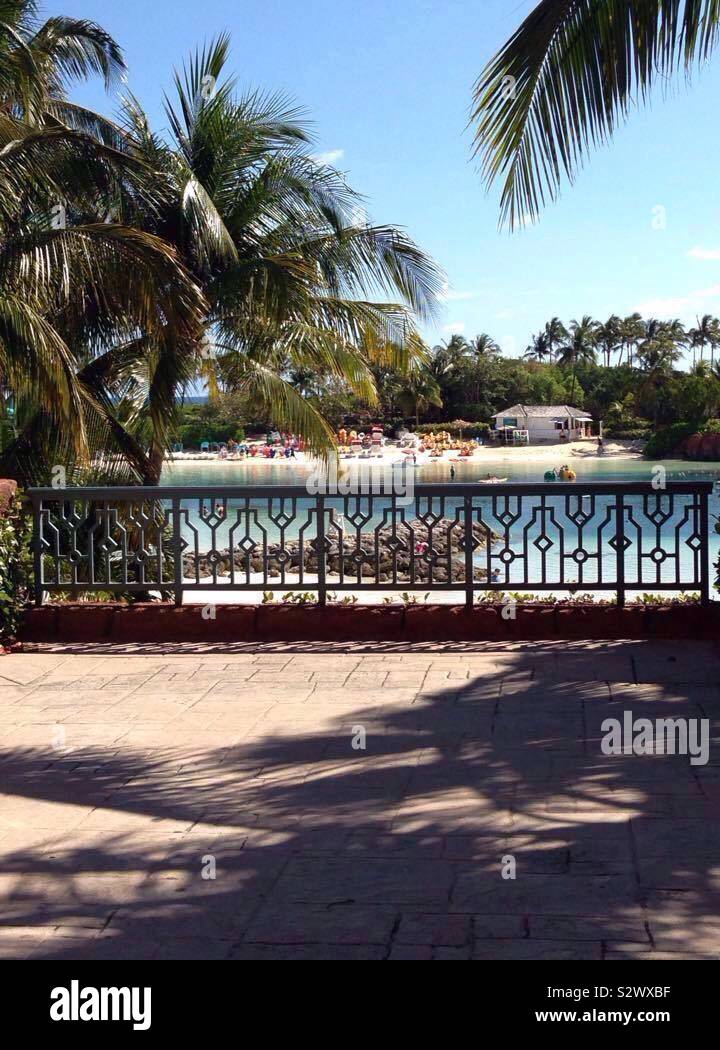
(543, 411)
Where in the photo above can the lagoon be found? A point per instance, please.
(589, 469)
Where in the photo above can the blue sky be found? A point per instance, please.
(388, 88)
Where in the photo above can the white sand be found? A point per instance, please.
(548, 454)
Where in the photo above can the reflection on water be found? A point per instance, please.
(595, 468)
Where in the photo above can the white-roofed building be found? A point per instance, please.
(543, 424)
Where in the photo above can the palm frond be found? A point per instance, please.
(565, 80)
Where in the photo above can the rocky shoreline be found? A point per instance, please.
(399, 551)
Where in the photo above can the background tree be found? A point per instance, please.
(580, 347)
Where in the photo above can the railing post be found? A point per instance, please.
(37, 550)
(322, 590)
(469, 566)
(177, 551)
(620, 547)
(704, 549)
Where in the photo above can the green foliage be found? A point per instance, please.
(667, 440)
(479, 430)
(15, 567)
(641, 432)
(299, 598)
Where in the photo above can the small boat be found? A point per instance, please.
(491, 481)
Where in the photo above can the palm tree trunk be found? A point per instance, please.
(156, 459)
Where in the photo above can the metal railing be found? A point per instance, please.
(599, 536)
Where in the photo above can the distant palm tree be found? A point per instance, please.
(483, 345)
(555, 335)
(445, 358)
(707, 333)
(420, 391)
(567, 77)
(660, 351)
(609, 337)
(580, 348)
(657, 354)
(539, 348)
(632, 330)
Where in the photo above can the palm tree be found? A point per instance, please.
(420, 391)
(632, 330)
(660, 350)
(583, 336)
(609, 337)
(483, 345)
(676, 334)
(291, 276)
(555, 334)
(657, 354)
(539, 348)
(567, 77)
(706, 333)
(69, 285)
(39, 62)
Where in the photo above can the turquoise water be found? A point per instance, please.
(203, 531)
(594, 468)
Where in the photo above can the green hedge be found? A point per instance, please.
(480, 430)
(192, 434)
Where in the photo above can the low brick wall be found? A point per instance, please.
(157, 622)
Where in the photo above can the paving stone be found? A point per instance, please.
(243, 752)
(552, 951)
(339, 924)
(435, 929)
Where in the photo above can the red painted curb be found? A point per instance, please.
(159, 622)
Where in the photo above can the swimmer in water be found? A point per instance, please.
(452, 473)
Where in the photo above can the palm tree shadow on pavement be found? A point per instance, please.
(396, 851)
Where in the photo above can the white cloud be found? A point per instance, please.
(504, 315)
(331, 157)
(704, 253)
(454, 328)
(672, 306)
(663, 307)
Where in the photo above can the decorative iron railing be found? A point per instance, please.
(470, 538)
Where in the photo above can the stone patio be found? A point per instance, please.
(128, 774)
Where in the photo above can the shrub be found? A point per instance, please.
(668, 439)
(15, 566)
(480, 430)
(624, 433)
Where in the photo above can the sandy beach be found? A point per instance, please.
(491, 454)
